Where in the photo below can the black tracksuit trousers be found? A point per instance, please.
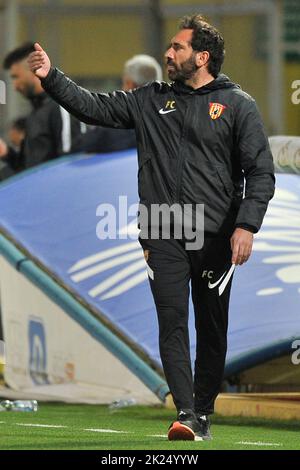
(172, 270)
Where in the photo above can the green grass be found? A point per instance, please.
(140, 423)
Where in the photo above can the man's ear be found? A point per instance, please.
(202, 58)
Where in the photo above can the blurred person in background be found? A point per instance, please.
(16, 136)
(200, 140)
(16, 133)
(50, 130)
(138, 71)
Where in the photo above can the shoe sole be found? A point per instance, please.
(180, 432)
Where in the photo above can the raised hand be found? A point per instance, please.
(38, 61)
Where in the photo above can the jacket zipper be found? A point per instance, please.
(181, 156)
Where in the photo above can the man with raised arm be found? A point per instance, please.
(200, 141)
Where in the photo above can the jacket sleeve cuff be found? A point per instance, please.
(47, 80)
(250, 228)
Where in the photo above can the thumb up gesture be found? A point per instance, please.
(38, 61)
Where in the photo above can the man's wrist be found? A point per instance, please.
(247, 227)
(47, 79)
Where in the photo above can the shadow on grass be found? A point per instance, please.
(164, 416)
(266, 423)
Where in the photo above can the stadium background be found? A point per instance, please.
(90, 42)
(255, 32)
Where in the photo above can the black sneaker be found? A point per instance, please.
(205, 427)
(186, 428)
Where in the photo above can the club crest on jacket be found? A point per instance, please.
(216, 110)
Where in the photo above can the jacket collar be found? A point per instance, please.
(221, 81)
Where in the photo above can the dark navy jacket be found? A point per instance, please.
(194, 146)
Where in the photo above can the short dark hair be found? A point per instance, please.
(206, 38)
(19, 124)
(18, 54)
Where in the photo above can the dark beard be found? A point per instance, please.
(29, 92)
(186, 71)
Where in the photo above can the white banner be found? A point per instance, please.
(47, 352)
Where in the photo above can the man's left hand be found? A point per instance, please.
(241, 246)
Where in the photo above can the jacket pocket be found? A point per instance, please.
(145, 182)
(225, 179)
(143, 159)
